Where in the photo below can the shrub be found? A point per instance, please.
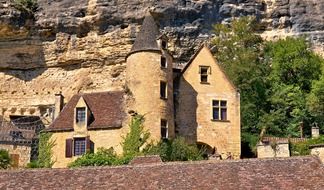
(175, 150)
(4, 159)
(302, 148)
(103, 157)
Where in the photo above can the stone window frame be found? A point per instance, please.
(80, 114)
(79, 146)
(164, 91)
(164, 126)
(216, 105)
(164, 44)
(204, 75)
(163, 62)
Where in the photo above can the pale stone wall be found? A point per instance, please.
(100, 138)
(24, 153)
(194, 110)
(143, 76)
(267, 151)
(318, 151)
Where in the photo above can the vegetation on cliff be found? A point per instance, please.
(281, 82)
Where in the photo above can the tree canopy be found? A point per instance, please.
(281, 82)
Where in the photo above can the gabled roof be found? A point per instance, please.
(274, 173)
(202, 46)
(106, 110)
(146, 38)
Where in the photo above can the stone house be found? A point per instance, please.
(20, 138)
(198, 103)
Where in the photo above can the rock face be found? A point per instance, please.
(80, 46)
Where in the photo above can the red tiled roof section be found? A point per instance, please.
(106, 109)
(276, 173)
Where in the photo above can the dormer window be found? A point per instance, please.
(80, 115)
(204, 71)
(163, 62)
(164, 44)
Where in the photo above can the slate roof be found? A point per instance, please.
(146, 38)
(275, 173)
(106, 109)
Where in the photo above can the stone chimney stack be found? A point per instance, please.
(59, 100)
(315, 131)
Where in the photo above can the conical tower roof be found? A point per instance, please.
(146, 38)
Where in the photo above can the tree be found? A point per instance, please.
(294, 71)
(239, 50)
(4, 159)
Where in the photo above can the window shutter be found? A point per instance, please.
(69, 148)
(88, 144)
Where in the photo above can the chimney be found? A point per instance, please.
(59, 100)
(315, 131)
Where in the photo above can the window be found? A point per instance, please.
(79, 146)
(80, 115)
(163, 62)
(204, 71)
(219, 110)
(164, 129)
(163, 90)
(164, 44)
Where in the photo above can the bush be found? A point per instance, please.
(104, 157)
(175, 150)
(4, 159)
(302, 148)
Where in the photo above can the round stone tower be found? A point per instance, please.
(149, 79)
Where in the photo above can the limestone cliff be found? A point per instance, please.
(75, 46)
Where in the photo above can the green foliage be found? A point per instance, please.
(281, 83)
(294, 69)
(45, 152)
(136, 137)
(103, 157)
(175, 150)
(239, 51)
(28, 7)
(315, 101)
(4, 159)
(302, 148)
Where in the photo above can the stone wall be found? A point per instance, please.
(318, 151)
(100, 138)
(23, 151)
(273, 151)
(144, 74)
(194, 107)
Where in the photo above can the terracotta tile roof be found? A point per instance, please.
(275, 173)
(106, 109)
(146, 38)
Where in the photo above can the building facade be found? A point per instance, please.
(198, 103)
